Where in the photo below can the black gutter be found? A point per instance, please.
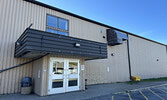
(86, 19)
(22, 64)
(166, 49)
(130, 74)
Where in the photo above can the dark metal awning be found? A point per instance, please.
(33, 43)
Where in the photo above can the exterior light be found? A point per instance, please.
(77, 45)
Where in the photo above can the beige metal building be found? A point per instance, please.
(61, 50)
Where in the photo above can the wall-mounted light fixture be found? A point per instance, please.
(77, 45)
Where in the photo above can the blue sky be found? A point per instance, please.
(147, 18)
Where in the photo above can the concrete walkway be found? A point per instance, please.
(92, 91)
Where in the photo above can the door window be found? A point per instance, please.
(58, 67)
(57, 83)
(64, 76)
(73, 68)
(72, 82)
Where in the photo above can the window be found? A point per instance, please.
(63, 33)
(52, 21)
(73, 67)
(58, 67)
(51, 30)
(57, 25)
(63, 24)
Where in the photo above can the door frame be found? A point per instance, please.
(65, 80)
(74, 88)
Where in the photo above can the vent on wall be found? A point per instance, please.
(115, 37)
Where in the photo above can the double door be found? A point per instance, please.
(64, 75)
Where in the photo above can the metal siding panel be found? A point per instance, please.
(144, 55)
(27, 67)
(4, 81)
(11, 20)
(96, 70)
(37, 65)
(17, 61)
(46, 66)
(10, 78)
(20, 26)
(23, 14)
(86, 30)
(23, 24)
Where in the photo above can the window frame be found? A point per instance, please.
(57, 29)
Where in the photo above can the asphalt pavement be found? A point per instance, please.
(112, 91)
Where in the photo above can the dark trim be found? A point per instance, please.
(86, 19)
(34, 43)
(130, 74)
(166, 49)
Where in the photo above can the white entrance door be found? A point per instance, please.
(64, 75)
(72, 75)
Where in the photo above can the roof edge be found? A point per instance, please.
(86, 19)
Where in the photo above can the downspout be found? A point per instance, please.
(130, 74)
(166, 51)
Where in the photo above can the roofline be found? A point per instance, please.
(86, 19)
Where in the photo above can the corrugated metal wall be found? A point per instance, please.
(37, 76)
(15, 17)
(12, 24)
(148, 60)
(144, 55)
(97, 70)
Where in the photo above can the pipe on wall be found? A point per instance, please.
(19, 65)
(130, 74)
